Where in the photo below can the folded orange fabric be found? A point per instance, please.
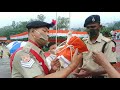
(73, 43)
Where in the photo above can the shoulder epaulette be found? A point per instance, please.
(26, 49)
(106, 39)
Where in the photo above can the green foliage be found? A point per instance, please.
(17, 27)
(24, 39)
(45, 48)
(105, 30)
(58, 37)
(62, 23)
(113, 26)
(41, 17)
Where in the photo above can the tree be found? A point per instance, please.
(105, 31)
(31, 20)
(117, 25)
(63, 23)
(13, 24)
(41, 17)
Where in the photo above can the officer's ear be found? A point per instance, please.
(32, 30)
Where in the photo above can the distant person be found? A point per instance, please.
(8, 53)
(52, 46)
(1, 54)
(1, 51)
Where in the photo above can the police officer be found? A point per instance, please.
(96, 42)
(29, 61)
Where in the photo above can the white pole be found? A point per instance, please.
(56, 28)
(69, 20)
(69, 35)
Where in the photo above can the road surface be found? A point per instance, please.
(5, 66)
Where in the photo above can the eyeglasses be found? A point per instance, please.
(90, 26)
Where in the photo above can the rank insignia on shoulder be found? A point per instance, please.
(27, 61)
(25, 58)
(27, 64)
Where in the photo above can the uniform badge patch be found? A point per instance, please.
(25, 58)
(113, 49)
(27, 61)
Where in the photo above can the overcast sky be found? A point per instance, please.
(77, 18)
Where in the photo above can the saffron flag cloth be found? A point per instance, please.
(65, 54)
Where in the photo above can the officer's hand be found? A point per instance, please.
(55, 64)
(77, 58)
(83, 73)
(99, 58)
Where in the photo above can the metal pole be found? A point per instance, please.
(56, 28)
(69, 20)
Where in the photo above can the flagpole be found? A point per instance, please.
(69, 20)
(69, 35)
(56, 28)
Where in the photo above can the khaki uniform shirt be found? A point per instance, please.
(21, 69)
(97, 46)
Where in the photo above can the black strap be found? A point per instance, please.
(103, 48)
(114, 42)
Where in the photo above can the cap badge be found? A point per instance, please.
(93, 19)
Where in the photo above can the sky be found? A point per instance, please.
(76, 18)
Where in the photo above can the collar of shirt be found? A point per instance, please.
(97, 40)
(34, 46)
